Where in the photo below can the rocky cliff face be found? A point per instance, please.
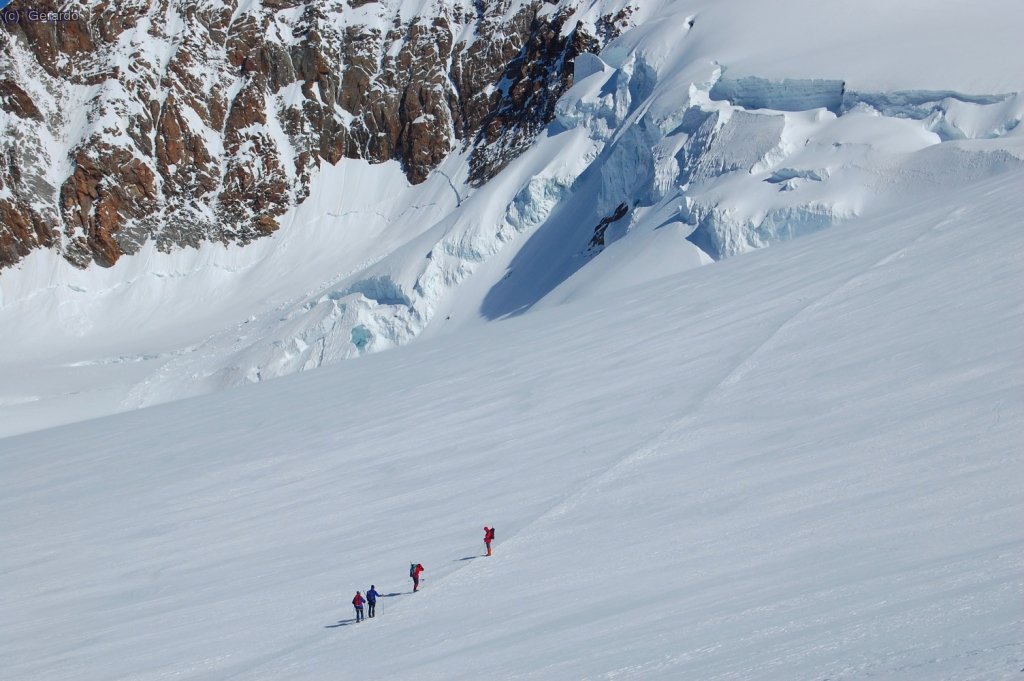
(185, 121)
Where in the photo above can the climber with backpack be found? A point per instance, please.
(488, 538)
(414, 571)
(358, 603)
(371, 600)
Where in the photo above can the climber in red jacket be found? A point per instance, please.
(488, 538)
(414, 571)
(358, 602)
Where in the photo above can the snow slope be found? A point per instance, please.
(710, 128)
(802, 463)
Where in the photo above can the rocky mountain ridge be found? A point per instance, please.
(183, 121)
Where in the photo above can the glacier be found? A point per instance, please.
(798, 463)
(728, 350)
(704, 124)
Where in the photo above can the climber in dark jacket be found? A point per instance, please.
(371, 600)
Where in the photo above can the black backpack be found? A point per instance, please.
(412, 570)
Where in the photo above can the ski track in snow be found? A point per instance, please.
(821, 302)
(673, 432)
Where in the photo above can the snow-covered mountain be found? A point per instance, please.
(276, 186)
(802, 463)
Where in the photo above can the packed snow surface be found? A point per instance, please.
(803, 463)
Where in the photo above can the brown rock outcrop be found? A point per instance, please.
(184, 122)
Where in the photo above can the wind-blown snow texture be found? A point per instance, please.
(799, 464)
(660, 157)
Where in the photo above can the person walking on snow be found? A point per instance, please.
(414, 571)
(358, 602)
(488, 538)
(371, 600)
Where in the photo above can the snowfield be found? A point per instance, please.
(803, 463)
(731, 357)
